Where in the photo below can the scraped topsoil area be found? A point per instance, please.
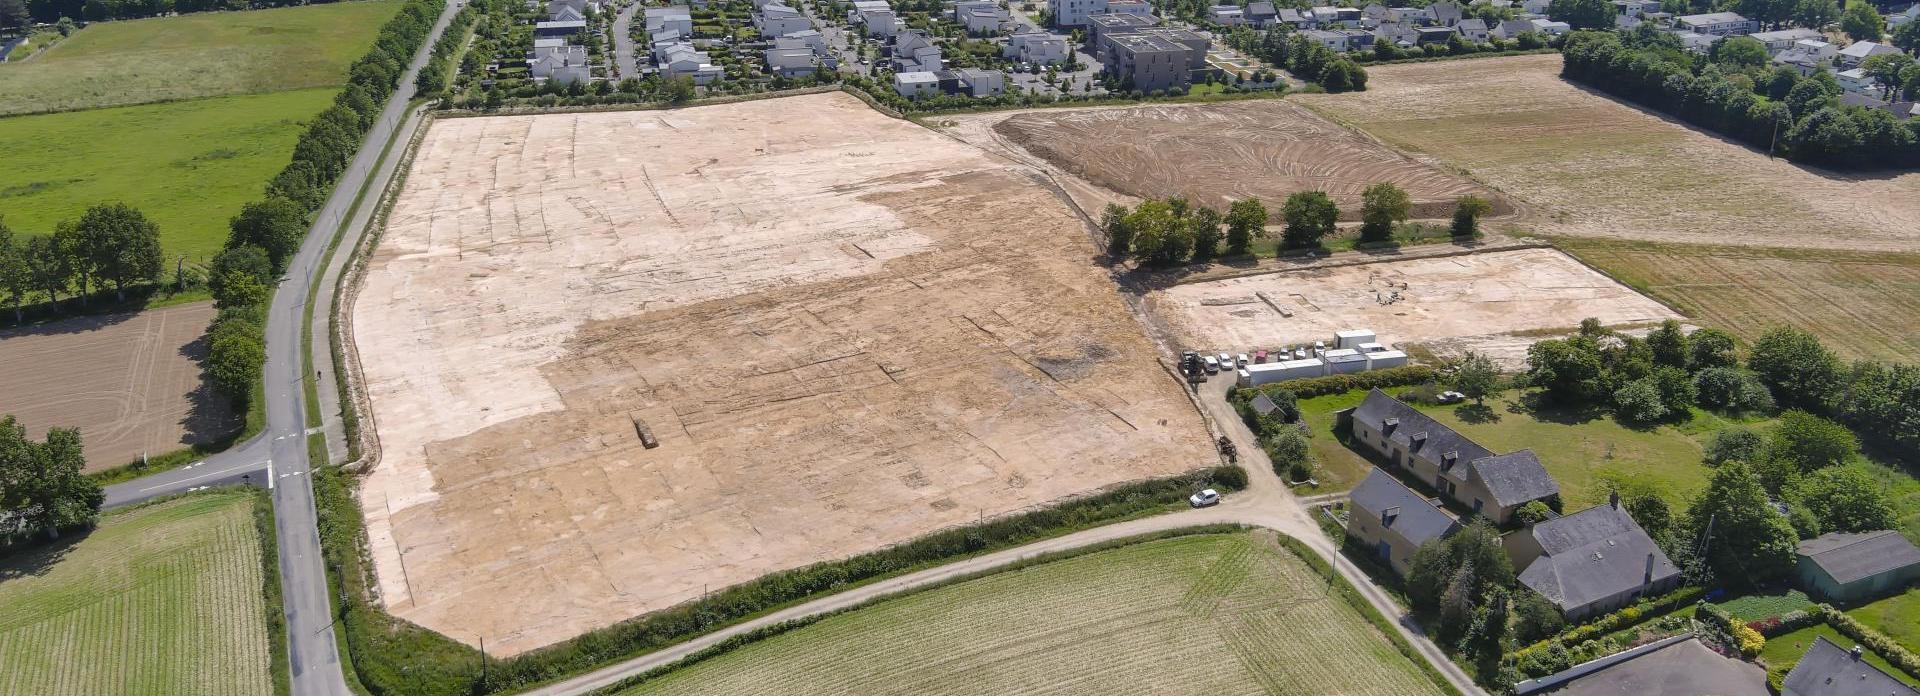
(1214, 154)
(619, 359)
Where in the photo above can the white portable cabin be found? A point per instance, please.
(1352, 338)
(1268, 373)
(1342, 361)
(1385, 359)
(1370, 347)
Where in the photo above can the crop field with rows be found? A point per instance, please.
(161, 600)
(1212, 614)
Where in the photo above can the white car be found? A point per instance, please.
(1241, 359)
(1226, 361)
(1213, 366)
(1205, 498)
(1448, 397)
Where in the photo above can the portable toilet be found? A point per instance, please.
(1352, 338)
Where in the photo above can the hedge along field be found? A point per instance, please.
(188, 165)
(160, 600)
(1218, 613)
(192, 56)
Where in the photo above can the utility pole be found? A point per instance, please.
(483, 661)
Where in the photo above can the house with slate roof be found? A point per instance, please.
(1847, 567)
(1830, 670)
(1592, 561)
(1392, 520)
(1492, 485)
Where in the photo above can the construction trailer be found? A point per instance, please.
(1341, 361)
(1352, 338)
(1268, 373)
(1383, 359)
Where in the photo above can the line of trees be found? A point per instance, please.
(1309, 61)
(1166, 232)
(112, 245)
(42, 489)
(1776, 109)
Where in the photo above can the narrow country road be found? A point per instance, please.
(623, 56)
(1265, 503)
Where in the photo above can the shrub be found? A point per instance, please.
(1288, 450)
(1751, 642)
(1340, 384)
(1534, 512)
(1735, 445)
(1895, 654)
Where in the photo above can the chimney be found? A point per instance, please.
(1419, 440)
(1387, 426)
(1855, 652)
(1613, 499)
(1388, 515)
(1648, 580)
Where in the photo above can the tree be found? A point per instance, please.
(121, 245)
(1476, 377)
(1676, 391)
(1731, 389)
(1809, 97)
(1455, 573)
(1204, 226)
(1119, 236)
(42, 482)
(679, 90)
(1246, 219)
(1159, 237)
(1735, 444)
(1815, 14)
(1861, 22)
(1794, 365)
(1846, 499)
(1568, 369)
(1907, 37)
(1582, 14)
(1639, 402)
(14, 15)
(16, 273)
(1887, 70)
(236, 275)
(1882, 403)
(1534, 512)
(50, 266)
(1466, 215)
(1739, 52)
(1290, 455)
(1536, 618)
(236, 350)
(1669, 345)
(1711, 348)
(273, 224)
(1747, 543)
(1810, 442)
(1382, 206)
(1310, 216)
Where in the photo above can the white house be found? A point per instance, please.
(1718, 24)
(790, 61)
(916, 84)
(1133, 7)
(1038, 48)
(1857, 81)
(776, 19)
(981, 16)
(544, 47)
(981, 83)
(1695, 41)
(1859, 51)
(564, 13)
(1333, 40)
(1512, 28)
(882, 24)
(1548, 27)
(564, 65)
(1229, 15)
(681, 60)
(1807, 56)
(1635, 8)
(1777, 41)
(914, 52)
(672, 18)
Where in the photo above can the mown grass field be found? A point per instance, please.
(196, 55)
(160, 600)
(1862, 304)
(188, 165)
(1897, 616)
(1213, 614)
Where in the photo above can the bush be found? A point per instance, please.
(1751, 642)
(1341, 384)
(1544, 655)
(1735, 445)
(1534, 512)
(1895, 654)
(1639, 402)
(1288, 451)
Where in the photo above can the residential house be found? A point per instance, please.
(1592, 561)
(1550, 28)
(1474, 30)
(1535, 7)
(1695, 41)
(1335, 40)
(1848, 567)
(1293, 18)
(913, 51)
(1444, 14)
(1229, 15)
(1830, 670)
(1857, 81)
(1261, 14)
(1777, 41)
(1038, 48)
(1677, 666)
(682, 60)
(882, 24)
(1327, 17)
(1456, 466)
(562, 65)
(564, 13)
(1859, 51)
(1808, 56)
(545, 47)
(672, 18)
(974, 82)
(550, 30)
(916, 84)
(1388, 517)
(1635, 8)
(1900, 19)
(1398, 34)
(1512, 28)
(791, 61)
(1358, 40)
(1148, 63)
(809, 39)
(776, 19)
(859, 6)
(981, 16)
(1433, 35)
(1718, 24)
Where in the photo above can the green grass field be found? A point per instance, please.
(1784, 651)
(1897, 616)
(188, 165)
(196, 55)
(1755, 607)
(1212, 614)
(160, 600)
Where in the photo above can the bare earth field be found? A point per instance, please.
(844, 330)
(1215, 154)
(1448, 304)
(1590, 166)
(130, 382)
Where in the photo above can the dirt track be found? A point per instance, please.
(1218, 153)
(130, 382)
(845, 332)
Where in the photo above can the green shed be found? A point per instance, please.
(1848, 567)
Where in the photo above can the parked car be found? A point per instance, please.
(1241, 359)
(1448, 397)
(1226, 361)
(1213, 366)
(1204, 498)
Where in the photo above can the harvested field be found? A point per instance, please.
(161, 600)
(1448, 304)
(1862, 305)
(843, 331)
(1590, 166)
(130, 382)
(1216, 614)
(1215, 154)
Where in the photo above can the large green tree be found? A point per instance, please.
(1476, 377)
(1861, 22)
(274, 224)
(1203, 225)
(1119, 237)
(1846, 499)
(1311, 218)
(1246, 220)
(41, 482)
(1888, 70)
(1382, 206)
(1747, 542)
(14, 15)
(16, 273)
(1582, 14)
(1882, 403)
(1669, 345)
(122, 245)
(1467, 213)
(1569, 370)
(1810, 442)
(1711, 348)
(1800, 371)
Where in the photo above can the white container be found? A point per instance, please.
(1385, 359)
(1352, 338)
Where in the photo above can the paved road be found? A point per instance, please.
(1266, 503)
(245, 464)
(623, 60)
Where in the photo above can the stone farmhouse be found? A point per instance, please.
(1491, 485)
(1591, 562)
